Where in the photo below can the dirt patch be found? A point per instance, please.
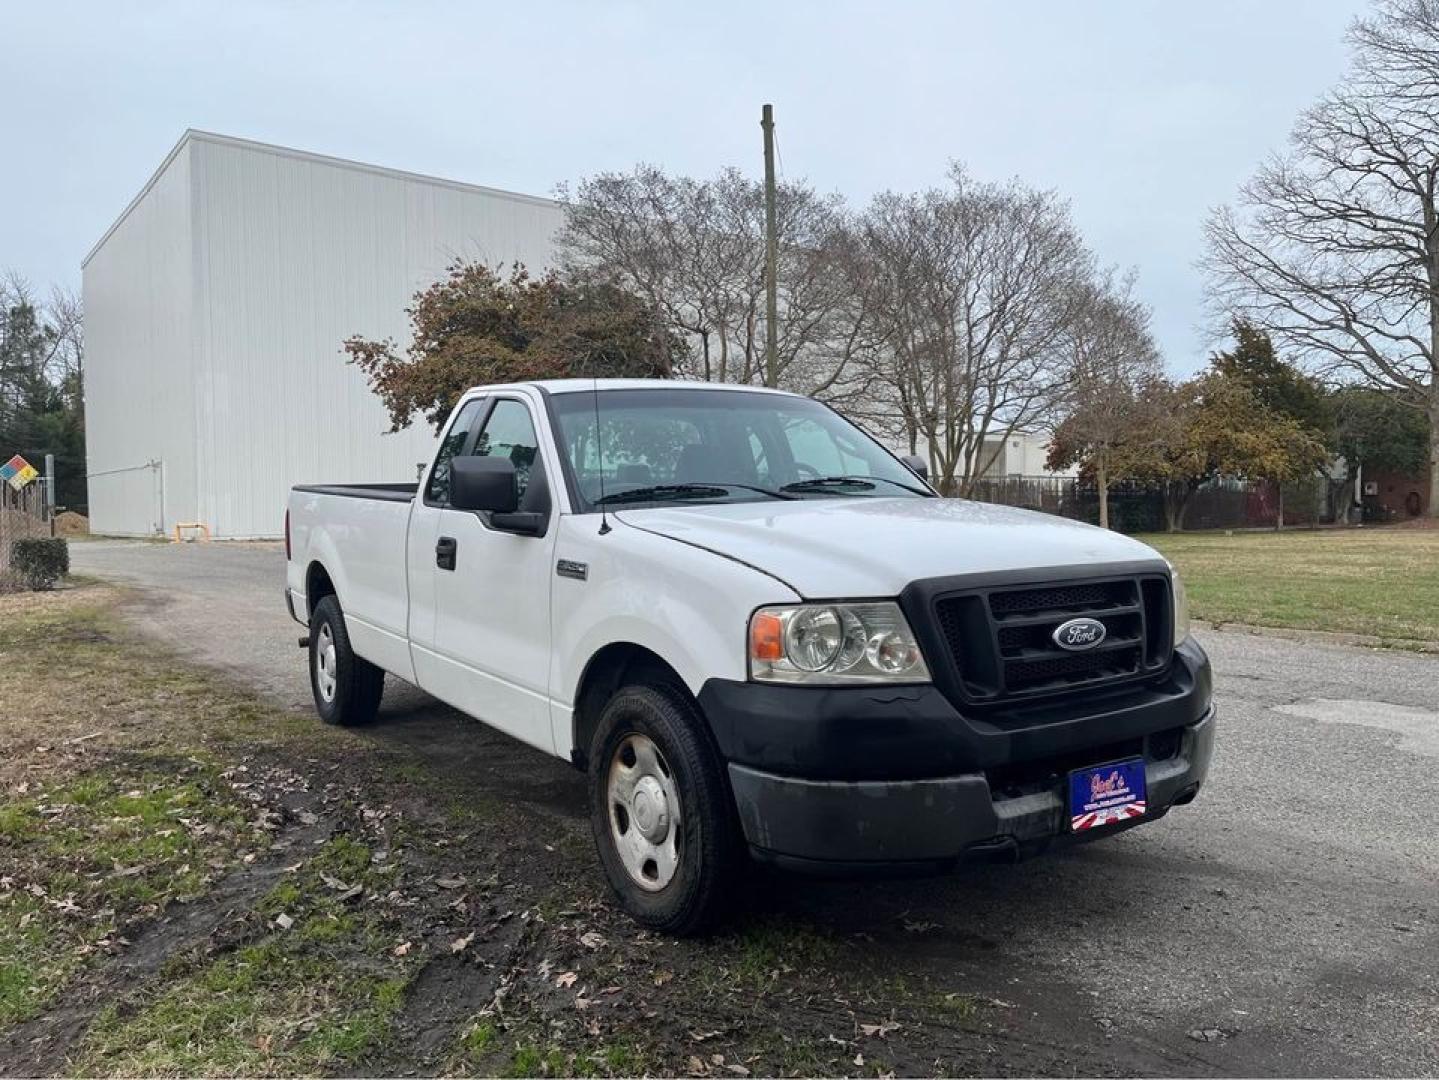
(68, 524)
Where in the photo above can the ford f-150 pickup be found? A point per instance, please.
(760, 633)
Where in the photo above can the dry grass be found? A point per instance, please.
(1381, 583)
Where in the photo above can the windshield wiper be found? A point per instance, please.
(658, 492)
(856, 483)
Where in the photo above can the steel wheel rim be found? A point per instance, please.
(325, 678)
(644, 812)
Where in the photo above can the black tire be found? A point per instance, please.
(710, 856)
(358, 684)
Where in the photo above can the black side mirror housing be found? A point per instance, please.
(916, 465)
(483, 484)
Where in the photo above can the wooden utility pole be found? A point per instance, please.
(771, 257)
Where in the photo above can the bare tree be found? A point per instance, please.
(1111, 355)
(66, 315)
(1334, 247)
(974, 289)
(695, 250)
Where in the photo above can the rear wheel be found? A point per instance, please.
(347, 687)
(661, 811)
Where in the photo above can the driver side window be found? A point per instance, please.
(438, 490)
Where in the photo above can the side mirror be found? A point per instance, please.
(483, 484)
(916, 465)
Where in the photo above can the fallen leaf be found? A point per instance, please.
(546, 966)
(662, 977)
(402, 949)
(697, 1067)
(283, 921)
(450, 882)
(702, 1036)
(859, 1061)
(1207, 1034)
(461, 944)
(880, 1030)
(566, 980)
(593, 939)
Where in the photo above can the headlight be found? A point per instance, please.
(1181, 606)
(834, 643)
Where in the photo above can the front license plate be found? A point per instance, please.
(1106, 794)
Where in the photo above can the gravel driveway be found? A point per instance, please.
(1286, 923)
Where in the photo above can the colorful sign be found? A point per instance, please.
(1106, 794)
(17, 472)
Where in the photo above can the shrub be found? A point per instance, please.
(40, 563)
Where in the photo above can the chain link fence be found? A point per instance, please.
(24, 515)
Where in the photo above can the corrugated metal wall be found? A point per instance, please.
(291, 254)
(139, 361)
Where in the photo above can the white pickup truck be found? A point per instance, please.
(760, 633)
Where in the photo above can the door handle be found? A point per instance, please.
(445, 552)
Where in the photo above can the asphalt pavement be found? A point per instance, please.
(1286, 923)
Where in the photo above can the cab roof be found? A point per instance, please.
(573, 386)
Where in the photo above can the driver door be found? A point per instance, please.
(490, 655)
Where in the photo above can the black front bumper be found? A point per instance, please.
(860, 778)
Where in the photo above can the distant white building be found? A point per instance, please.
(215, 307)
(1021, 454)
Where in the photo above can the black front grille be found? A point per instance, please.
(1002, 645)
(1027, 674)
(1074, 599)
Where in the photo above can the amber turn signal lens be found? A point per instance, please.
(766, 637)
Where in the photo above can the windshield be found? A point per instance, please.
(663, 446)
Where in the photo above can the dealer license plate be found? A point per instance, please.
(1106, 794)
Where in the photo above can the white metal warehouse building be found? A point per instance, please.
(215, 308)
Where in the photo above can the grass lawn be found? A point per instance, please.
(1379, 582)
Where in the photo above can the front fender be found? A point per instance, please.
(688, 606)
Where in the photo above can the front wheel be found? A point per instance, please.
(347, 687)
(661, 811)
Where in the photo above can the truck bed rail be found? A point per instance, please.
(385, 492)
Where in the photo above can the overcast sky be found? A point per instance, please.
(1143, 114)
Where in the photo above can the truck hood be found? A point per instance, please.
(832, 548)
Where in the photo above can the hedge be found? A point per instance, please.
(39, 564)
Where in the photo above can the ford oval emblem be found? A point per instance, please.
(1076, 635)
